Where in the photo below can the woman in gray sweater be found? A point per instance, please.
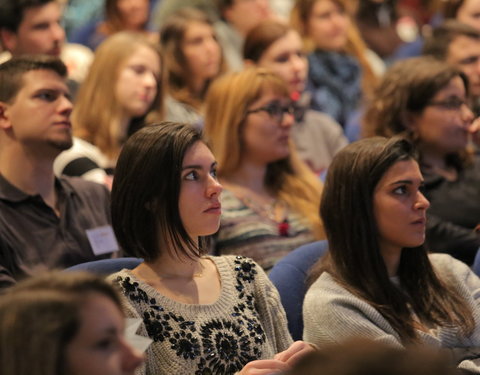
(378, 280)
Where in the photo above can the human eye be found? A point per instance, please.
(283, 58)
(47, 95)
(273, 109)
(454, 102)
(138, 69)
(400, 190)
(213, 173)
(469, 60)
(192, 176)
(107, 343)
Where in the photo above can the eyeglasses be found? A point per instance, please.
(275, 110)
(454, 103)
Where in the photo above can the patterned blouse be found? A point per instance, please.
(247, 322)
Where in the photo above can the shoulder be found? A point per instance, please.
(449, 267)
(84, 188)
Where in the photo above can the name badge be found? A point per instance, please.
(102, 240)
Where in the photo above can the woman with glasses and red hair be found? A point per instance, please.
(271, 198)
(425, 100)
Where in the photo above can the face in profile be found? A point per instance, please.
(469, 13)
(40, 32)
(286, 58)
(137, 81)
(400, 207)
(202, 51)
(327, 25)
(45, 94)
(199, 200)
(266, 130)
(442, 127)
(99, 347)
(464, 52)
(246, 14)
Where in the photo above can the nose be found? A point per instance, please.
(287, 120)
(65, 105)
(131, 358)
(214, 187)
(149, 79)
(298, 63)
(421, 203)
(466, 114)
(58, 33)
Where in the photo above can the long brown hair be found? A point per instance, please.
(354, 257)
(290, 179)
(172, 34)
(97, 114)
(405, 90)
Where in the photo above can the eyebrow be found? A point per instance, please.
(197, 166)
(409, 182)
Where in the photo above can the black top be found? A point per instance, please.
(454, 213)
(33, 238)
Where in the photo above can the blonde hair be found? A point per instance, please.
(356, 47)
(97, 114)
(226, 103)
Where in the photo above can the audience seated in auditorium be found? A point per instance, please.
(270, 202)
(426, 100)
(123, 89)
(458, 44)
(204, 314)
(193, 58)
(33, 27)
(377, 280)
(274, 45)
(341, 74)
(64, 323)
(45, 222)
(237, 18)
(119, 15)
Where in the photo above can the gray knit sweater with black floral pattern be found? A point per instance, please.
(246, 323)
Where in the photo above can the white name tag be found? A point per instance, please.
(102, 240)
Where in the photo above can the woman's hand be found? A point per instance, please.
(474, 130)
(297, 350)
(264, 367)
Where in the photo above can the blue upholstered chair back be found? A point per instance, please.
(107, 266)
(288, 275)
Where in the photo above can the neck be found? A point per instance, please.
(29, 171)
(168, 266)
(197, 86)
(391, 257)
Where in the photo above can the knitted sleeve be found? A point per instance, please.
(332, 314)
(271, 312)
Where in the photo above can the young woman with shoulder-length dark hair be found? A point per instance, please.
(425, 100)
(378, 281)
(205, 314)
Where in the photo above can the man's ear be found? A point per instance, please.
(4, 118)
(8, 39)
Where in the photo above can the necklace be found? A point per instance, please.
(275, 211)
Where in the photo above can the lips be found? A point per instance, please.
(215, 208)
(420, 221)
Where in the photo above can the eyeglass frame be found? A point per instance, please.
(290, 109)
(449, 104)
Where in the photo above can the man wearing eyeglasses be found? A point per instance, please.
(459, 45)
